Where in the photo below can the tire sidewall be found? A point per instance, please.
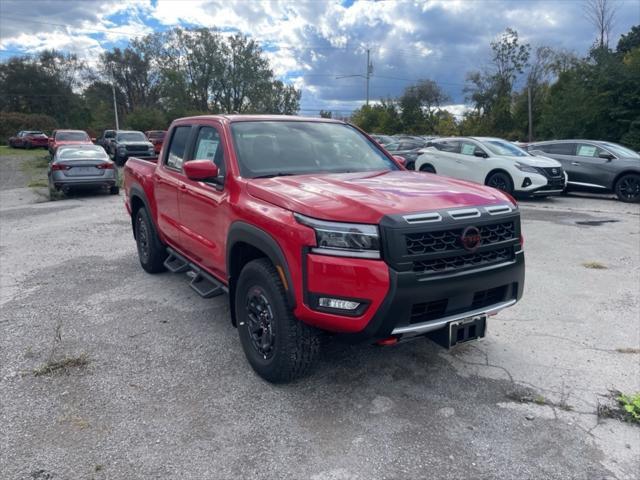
(153, 262)
(508, 180)
(617, 189)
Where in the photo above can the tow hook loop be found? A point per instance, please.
(387, 342)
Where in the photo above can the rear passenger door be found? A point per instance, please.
(168, 182)
(204, 212)
(469, 166)
(444, 160)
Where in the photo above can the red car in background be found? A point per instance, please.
(157, 138)
(29, 139)
(68, 137)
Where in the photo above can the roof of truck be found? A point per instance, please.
(265, 118)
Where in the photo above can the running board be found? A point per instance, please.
(204, 284)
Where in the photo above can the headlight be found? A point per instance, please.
(526, 168)
(343, 239)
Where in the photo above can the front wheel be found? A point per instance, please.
(114, 190)
(501, 181)
(627, 188)
(150, 250)
(278, 346)
(427, 168)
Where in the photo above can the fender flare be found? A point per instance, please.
(138, 192)
(261, 240)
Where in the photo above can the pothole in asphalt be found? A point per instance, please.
(595, 223)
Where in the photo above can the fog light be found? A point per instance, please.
(526, 182)
(337, 303)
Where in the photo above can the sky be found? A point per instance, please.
(312, 42)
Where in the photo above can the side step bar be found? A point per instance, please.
(204, 284)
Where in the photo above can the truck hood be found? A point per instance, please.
(365, 197)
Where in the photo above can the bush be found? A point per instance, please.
(144, 119)
(13, 122)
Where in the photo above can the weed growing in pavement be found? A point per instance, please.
(65, 364)
(595, 265)
(631, 405)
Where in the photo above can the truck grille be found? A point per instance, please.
(459, 262)
(137, 148)
(449, 240)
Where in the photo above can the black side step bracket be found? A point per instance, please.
(204, 284)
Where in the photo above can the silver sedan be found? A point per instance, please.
(82, 166)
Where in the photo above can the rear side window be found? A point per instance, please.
(177, 147)
(558, 148)
(209, 147)
(450, 146)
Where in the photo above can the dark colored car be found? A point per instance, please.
(105, 139)
(311, 227)
(595, 166)
(408, 148)
(29, 139)
(128, 143)
(157, 138)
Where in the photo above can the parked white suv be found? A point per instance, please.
(494, 162)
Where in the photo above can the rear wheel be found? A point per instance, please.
(410, 166)
(114, 190)
(501, 181)
(427, 168)
(278, 346)
(627, 188)
(150, 250)
(27, 145)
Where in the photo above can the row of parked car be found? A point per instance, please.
(535, 169)
(77, 160)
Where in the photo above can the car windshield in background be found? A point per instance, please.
(500, 147)
(292, 148)
(156, 134)
(35, 132)
(620, 151)
(131, 137)
(71, 136)
(82, 153)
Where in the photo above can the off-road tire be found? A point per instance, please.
(625, 186)
(295, 344)
(501, 181)
(151, 252)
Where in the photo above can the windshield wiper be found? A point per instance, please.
(278, 174)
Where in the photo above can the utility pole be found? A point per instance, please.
(530, 114)
(115, 104)
(368, 74)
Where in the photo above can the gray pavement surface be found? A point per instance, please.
(167, 392)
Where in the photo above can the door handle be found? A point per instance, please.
(183, 187)
(577, 164)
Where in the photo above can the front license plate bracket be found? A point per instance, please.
(460, 331)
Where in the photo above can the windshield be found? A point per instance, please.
(75, 153)
(291, 148)
(500, 147)
(158, 134)
(131, 137)
(71, 136)
(34, 132)
(620, 151)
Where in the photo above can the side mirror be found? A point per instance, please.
(607, 156)
(401, 160)
(200, 170)
(480, 153)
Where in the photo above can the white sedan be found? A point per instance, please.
(493, 162)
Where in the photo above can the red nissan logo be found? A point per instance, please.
(471, 238)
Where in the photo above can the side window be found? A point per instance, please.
(561, 148)
(585, 150)
(450, 146)
(177, 147)
(209, 147)
(468, 148)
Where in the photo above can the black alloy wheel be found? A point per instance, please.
(260, 322)
(501, 181)
(628, 188)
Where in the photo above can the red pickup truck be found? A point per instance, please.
(312, 228)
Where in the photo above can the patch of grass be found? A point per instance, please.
(38, 184)
(595, 265)
(65, 364)
(631, 405)
(7, 151)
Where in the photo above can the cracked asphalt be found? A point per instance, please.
(167, 392)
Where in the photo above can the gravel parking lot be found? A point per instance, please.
(166, 391)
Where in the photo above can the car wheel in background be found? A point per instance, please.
(27, 145)
(627, 188)
(410, 165)
(501, 181)
(427, 168)
(114, 190)
(151, 252)
(278, 346)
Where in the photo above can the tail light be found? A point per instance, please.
(60, 166)
(105, 166)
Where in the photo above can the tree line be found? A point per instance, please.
(595, 97)
(161, 76)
